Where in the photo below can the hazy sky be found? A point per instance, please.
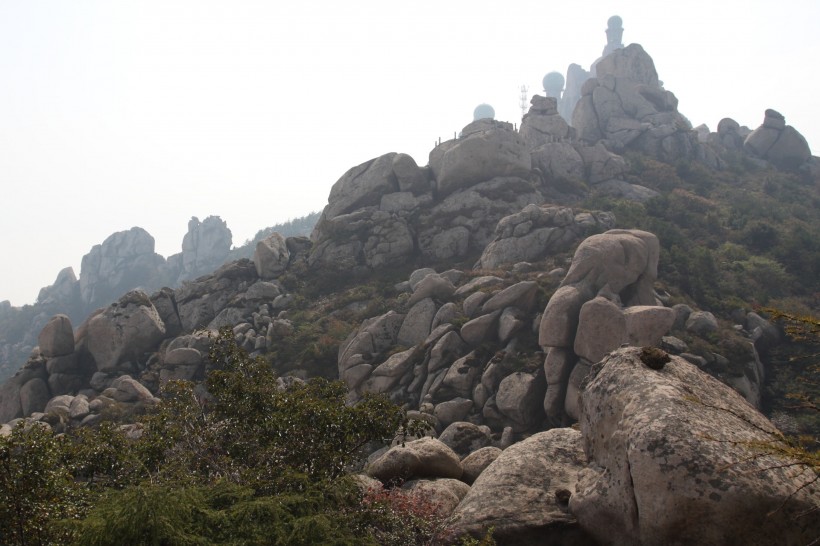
(118, 113)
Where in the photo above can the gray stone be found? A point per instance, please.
(520, 295)
(57, 337)
(476, 462)
(271, 256)
(422, 458)
(482, 156)
(701, 322)
(520, 398)
(124, 331)
(34, 395)
(362, 186)
(452, 411)
(432, 286)
(672, 446)
(464, 438)
(478, 330)
(442, 494)
(518, 494)
(416, 325)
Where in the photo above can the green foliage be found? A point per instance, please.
(251, 430)
(36, 489)
(219, 513)
(248, 460)
(769, 218)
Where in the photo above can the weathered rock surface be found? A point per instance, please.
(388, 212)
(777, 142)
(271, 256)
(680, 458)
(204, 247)
(123, 261)
(123, 332)
(625, 107)
(444, 493)
(495, 151)
(519, 493)
(57, 337)
(422, 458)
(606, 299)
(538, 231)
(542, 124)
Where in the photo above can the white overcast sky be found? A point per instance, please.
(118, 113)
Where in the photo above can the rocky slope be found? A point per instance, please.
(124, 261)
(451, 289)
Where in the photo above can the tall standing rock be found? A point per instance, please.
(204, 247)
(57, 338)
(606, 299)
(626, 107)
(271, 256)
(125, 259)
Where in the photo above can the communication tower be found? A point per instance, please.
(524, 100)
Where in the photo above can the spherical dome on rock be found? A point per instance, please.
(553, 84)
(483, 111)
(614, 22)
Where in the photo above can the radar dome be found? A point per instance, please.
(614, 22)
(483, 111)
(553, 84)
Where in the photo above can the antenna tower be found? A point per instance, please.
(524, 100)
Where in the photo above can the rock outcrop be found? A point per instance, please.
(625, 106)
(606, 299)
(679, 458)
(123, 261)
(540, 231)
(523, 495)
(118, 337)
(388, 211)
(778, 143)
(204, 248)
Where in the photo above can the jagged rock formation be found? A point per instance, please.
(469, 350)
(123, 341)
(388, 211)
(677, 457)
(540, 231)
(124, 261)
(606, 299)
(204, 247)
(626, 107)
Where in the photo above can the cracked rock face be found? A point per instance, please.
(388, 211)
(606, 299)
(777, 142)
(625, 106)
(675, 458)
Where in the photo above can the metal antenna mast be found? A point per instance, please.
(524, 100)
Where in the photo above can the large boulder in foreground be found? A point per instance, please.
(523, 494)
(677, 457)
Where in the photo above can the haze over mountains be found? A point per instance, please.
(148, 115)
(572, 305)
